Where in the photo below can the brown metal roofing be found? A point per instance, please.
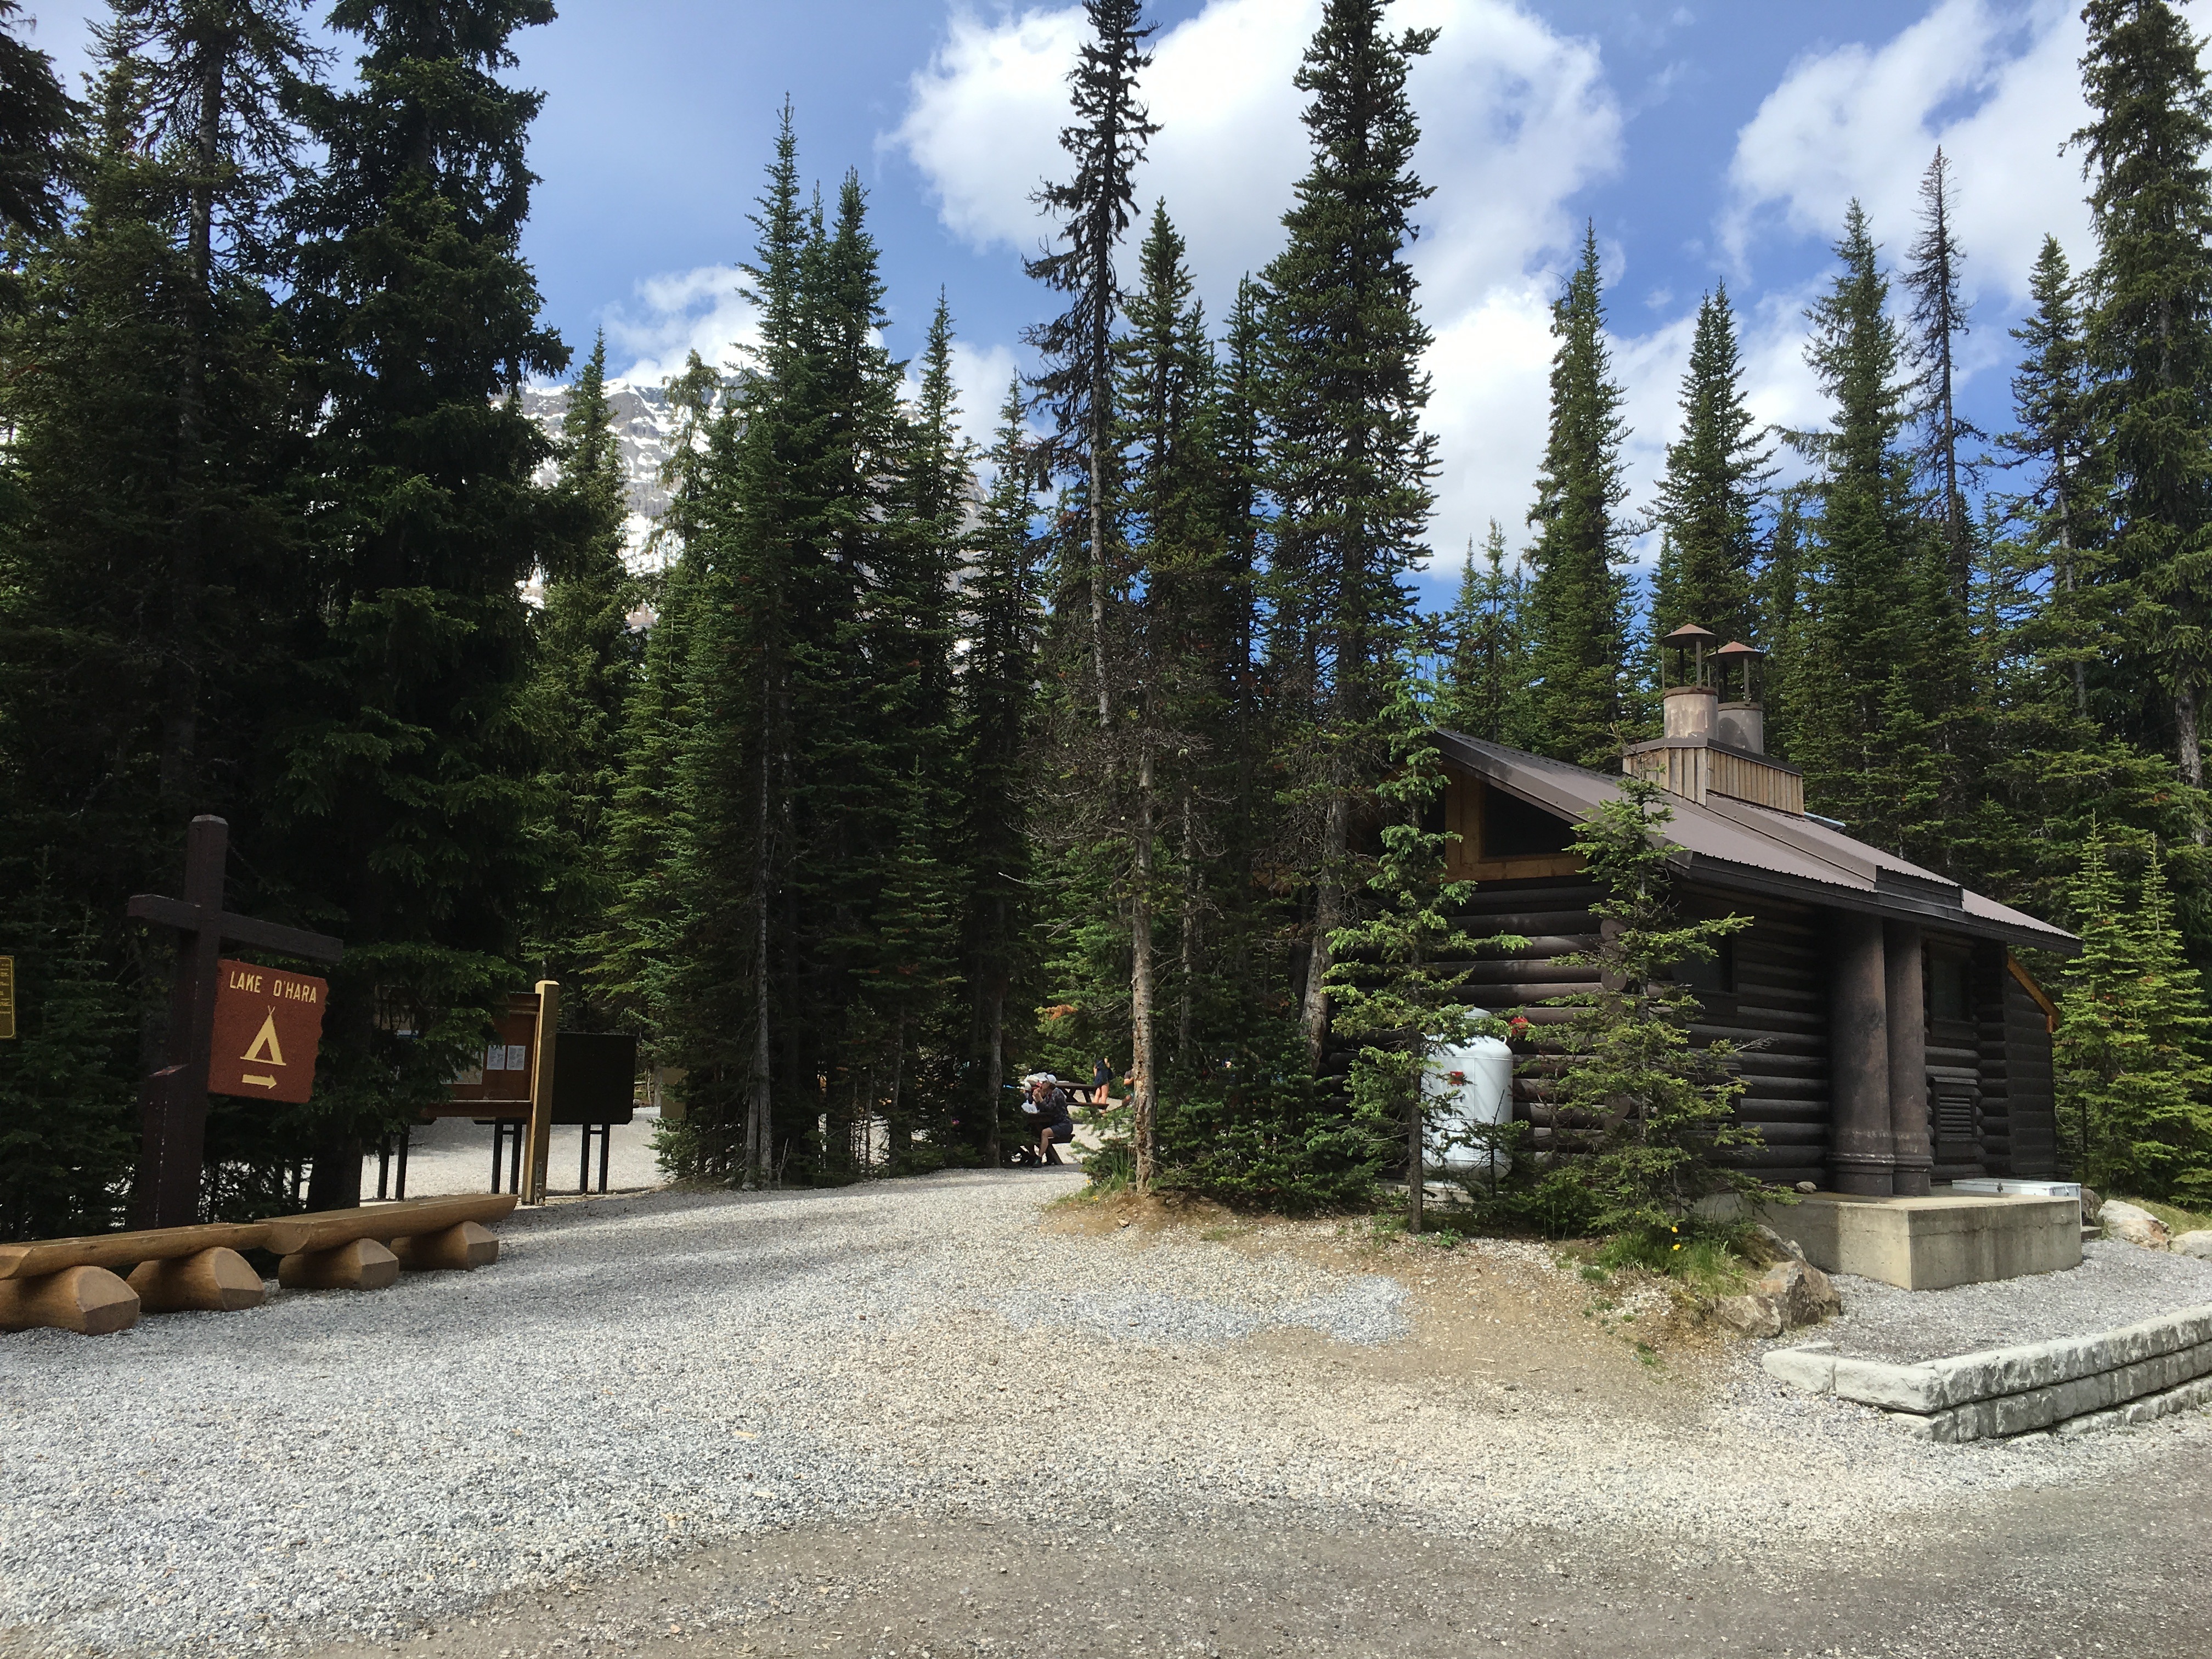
(1732, 844)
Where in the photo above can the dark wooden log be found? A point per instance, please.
(90, 1301)
(213, 1282)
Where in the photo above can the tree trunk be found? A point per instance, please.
(1141, 995)
(2190, 750)
(1188, 941)
(994, 1066)
(762, 1093)
(1328, 916)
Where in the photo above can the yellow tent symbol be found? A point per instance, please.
(266, 1050)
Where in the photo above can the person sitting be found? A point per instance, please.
(1047, 1103)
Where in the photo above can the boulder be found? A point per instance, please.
(1764, 1248)
(1790, 1294)
(2198, 1244)
(1800, 1293)
(2132, 1225)
(1749, 1316)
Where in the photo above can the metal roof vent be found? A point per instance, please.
(1713, 747)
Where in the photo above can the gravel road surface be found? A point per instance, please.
(787, 1422)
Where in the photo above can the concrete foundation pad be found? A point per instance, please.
(1932, 1243)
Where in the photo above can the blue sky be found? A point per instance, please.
(1712, 140)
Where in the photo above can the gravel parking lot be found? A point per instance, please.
(679, 1419)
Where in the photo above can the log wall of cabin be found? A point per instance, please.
(1777, 1017)
(2033, 1123)
(1777, 1014)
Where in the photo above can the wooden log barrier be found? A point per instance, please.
(326, 1230)
(50, 1255)
(360, 1265)
(461, 1248)
(90, 1301)
(213, 1282)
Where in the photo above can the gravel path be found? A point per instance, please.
(2116, 1285)
(641, 1378)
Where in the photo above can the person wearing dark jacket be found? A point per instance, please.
(1048, 1102)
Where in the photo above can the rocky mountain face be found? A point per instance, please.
(645, 428)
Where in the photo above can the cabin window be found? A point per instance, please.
(1950, 991)
(1716, 973)
(1512, 829)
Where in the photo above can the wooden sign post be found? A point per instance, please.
(173, 1103)
(7, 997)
(541, 1090)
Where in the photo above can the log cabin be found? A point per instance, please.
(1891, 1037)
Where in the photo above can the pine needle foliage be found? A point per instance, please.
(1579, 596)
(2134, 1050)
(1650, 1116)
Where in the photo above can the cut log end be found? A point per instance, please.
(469, 1245)
(213, 1282)
(361, 1265)
(90, 1301)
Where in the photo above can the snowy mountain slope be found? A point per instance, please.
(645, 428)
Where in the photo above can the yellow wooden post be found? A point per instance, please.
(541, 1090)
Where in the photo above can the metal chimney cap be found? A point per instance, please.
(1689, 634)
(1738, 649)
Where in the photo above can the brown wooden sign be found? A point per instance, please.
(267, 1026)
(7, 996)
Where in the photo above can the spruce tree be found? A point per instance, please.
(155, 441)
(2062, 506)
(2150, 345)
(1485, 686)
(1094, 207)
(588, 662)
(1860, 683)
(1350, 464)
(1579, 598)
(999, 620)
(1708, 498)
(1940, 320)
(407, 759)
(2135, 1089)
(35, 117)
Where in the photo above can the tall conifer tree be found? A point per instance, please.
(1940, 320)
(2150, 342)
(1708, 498)
(1350, 464)
(1859, 727)
(407, 754)
(1578, 602)
(1095, 207)
(589, 659)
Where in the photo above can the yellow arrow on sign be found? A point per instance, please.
(265, 1082)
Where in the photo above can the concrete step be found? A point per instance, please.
(2091, 1234)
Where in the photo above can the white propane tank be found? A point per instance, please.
(1471, 1086)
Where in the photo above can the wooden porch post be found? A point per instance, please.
(1865, 1158)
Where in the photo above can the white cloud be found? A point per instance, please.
(681, 312)
(1998, 88)
(1515, 118)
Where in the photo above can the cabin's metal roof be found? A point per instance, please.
(1733, 844)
